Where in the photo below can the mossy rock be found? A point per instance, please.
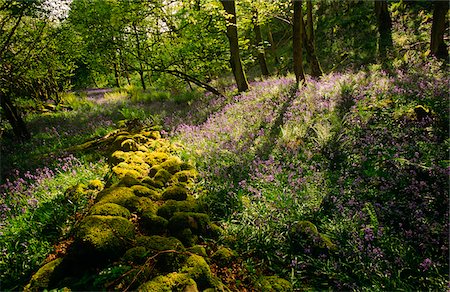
(153, 224)
(172, 164)
(163, 176)
(141, 139)
(118, 157)
(110, 209)
(136, 255)
(119, 195)
(170, 282)
(170, 207)
(156, 157)
(186, 166)
(129, 145)
(197, 222)
(186, 236)
(134, 169)
(273, 284)
(41, 279)
(128, 181)
(214, 231)
(77, 193)
(143, 191)
(160, 243)
(223, 256)
(198, 250)
(153, 183)
(108, 235)
(185, 175)
(144, 204)
(176, 193)
(197, 269)
(305, 234)
(154, 169)
(96, 185)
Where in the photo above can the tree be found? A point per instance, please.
(297, 43)
(437, 44)
(384, 28)
(232, 34)
(316, 69)
(259, 44)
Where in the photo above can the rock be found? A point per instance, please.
(110, 209)
(96, 185)
(170, 207)
(176, 193)
(142, 191)
(198, 250)
(119, 195)
(160, 243)
(136, 255)
(163, 176)
(170, 282)
(144, 204)
(41, 279)
(153, 224)
(223, 256)
(273, 284)
(107, 235)
(172, 164)
(197, 269)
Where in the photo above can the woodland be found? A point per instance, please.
(224, 145)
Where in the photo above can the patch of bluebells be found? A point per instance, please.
(24, 191)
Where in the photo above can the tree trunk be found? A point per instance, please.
(316, 69)
(14, 118)
(437, 45)
(273, 47)
(384, 28)
(232, 34)
(138, 51)
(116, 75)
(259, 45)
(297, 44)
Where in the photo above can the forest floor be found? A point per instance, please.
(339, 184)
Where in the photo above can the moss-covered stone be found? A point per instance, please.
(197, 269)
(119, 195)
(160, 243)
(128, 181)
(142, 191)
(136, 169)
(117, 144)
(176, 193)
(197, 222)
(273, 284)
(41, 279)
(141, 139)
(96, 185)
(108, 235)
(110, 209)
(129, 145)
(223, 256)
(156, 157)
(144, 204)
(185, 176)
(153, 224)
(136, 255)
(198, 250)
(118, 157)
(172, 164)
(163, 176)
(170, 207)
(151, 182)
(214, 231)
(170, 282)
(77, 193)
(304, 234)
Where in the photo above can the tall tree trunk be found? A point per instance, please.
(259, 44)
(297, 44)
(384, 28)
(273, 47)
(138, 51)
(316, 69)
(116, 75)
(12, 115)
(437, 44)
(232, 34)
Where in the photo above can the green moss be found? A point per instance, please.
(144, 204)
(77, 193)
(109, 235)
(153, 224)
(96, 185)
(170, 207)
(118, 157)
(154, 169)
(117, 144)
(170, 282)
(140, 138)
(110, 209)
(273, 283)
(198, 250)
(197, 269)
(156, 157)
(128, 181)
(172, 164)
(129, 145)
(135, 168)
(119, 195)
(305, 233)
(142, 191)
(185, 175)
(136, 255)
(160, 243)
(197, 222)
(151, 182)
(214, 231)
(163, 176)
(41, 279)
(223, 256)
(176, 193)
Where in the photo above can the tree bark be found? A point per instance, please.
(437, 44)
(12, 115)
(316, 69)
(259, 45)
(116, 75)
(273, 47)
(384, 28)
(232, 35)
(297, 43)
(138, 51)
